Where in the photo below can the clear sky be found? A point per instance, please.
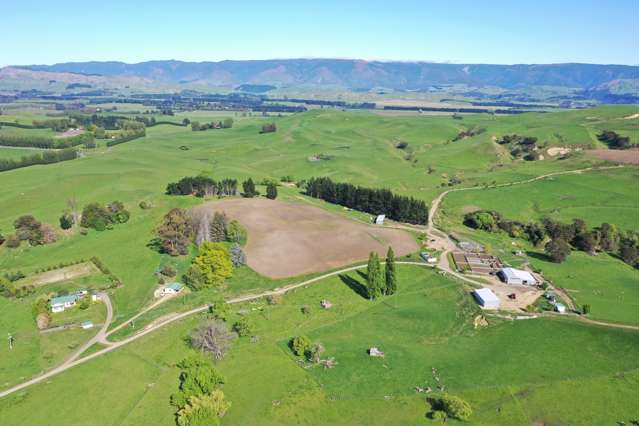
(460, 31)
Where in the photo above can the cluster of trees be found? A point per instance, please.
(378, 285)
(615, 140)
(127, 136)
(559, 239)
(521, 146)
(216, 260)
(302, 346)
(202, 186)
(46, 157)
(99, 217)
(199, 400)
(468, 133)
(269, 128)
(451, 406)
(227, 123)
(28, 228)
(57, 125)
(374, 201)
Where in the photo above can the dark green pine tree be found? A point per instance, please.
(249, 188)
(271, 191)
(374, 284)
(391, 278)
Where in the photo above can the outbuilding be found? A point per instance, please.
(516, 276)
(379, 220)
(173, 288)
(486, 298)
(561, 308)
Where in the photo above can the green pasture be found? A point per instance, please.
(510, 372)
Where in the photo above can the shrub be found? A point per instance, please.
(67, 221)
(300, 345)
(168, 271)
(274, 299)
(145, 205)
(13, 241)
(452, 406)
(243, 327)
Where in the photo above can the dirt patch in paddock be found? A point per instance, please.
(554, 151)
(62, 274)
(632, 117)
(70, 133)
(627, 156)
(288, 239)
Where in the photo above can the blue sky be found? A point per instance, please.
(500, 32)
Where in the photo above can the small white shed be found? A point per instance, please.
(379, 220)
(561, 308)
(486, 298)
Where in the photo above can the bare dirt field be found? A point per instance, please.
(69, 133)
(62, 274)
(289, 239)
(628, 156)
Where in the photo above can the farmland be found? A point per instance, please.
(510, 371)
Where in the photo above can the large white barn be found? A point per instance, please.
(486, 298)
(516, 276)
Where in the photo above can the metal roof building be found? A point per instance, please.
(516, 276)
(486, 298)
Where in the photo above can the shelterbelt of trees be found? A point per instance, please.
(561, 238)
(46, 157)
(373, 201)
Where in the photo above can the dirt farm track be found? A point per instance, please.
(289, 239)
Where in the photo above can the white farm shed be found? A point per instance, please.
(486, 298)
(516, 276)
(379, 220)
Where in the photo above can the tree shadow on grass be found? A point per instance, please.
(539, 256)
(354, 285)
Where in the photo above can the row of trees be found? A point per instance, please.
(99, 217)
(559, 239)
(374, 201)
(46, 157)
(376, 284)
(615, 140)
(227, 123)
(46, 142)
(202, 186)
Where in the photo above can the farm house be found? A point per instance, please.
(516, 276)
(486, 298)
(59, 304)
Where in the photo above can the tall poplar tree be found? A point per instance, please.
(391, 278)
(374, 284)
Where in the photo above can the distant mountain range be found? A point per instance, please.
(358, 74)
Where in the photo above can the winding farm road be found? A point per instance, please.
(438, 239)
